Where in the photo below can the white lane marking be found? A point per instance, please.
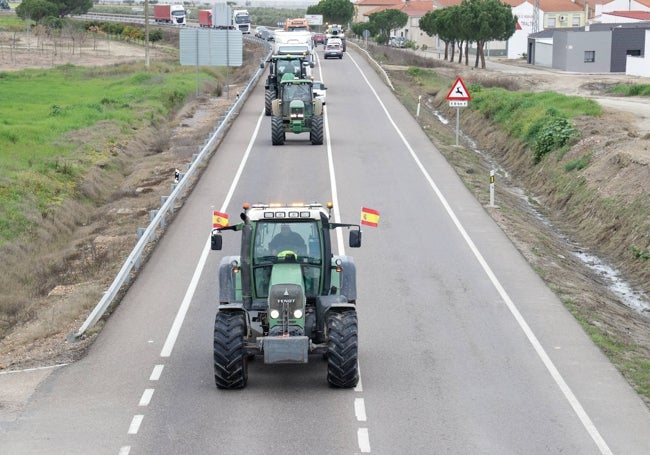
(359, 387)
(124, 450)
(364, 442)
(28, 370)
(359, 406)
(146, 397)
(335, 198)
(539, 349)
(182, 311)
(360, 409)
(156, 373)
(135, 424)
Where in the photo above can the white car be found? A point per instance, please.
(335, 41)
(320, 91)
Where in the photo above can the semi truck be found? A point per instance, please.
(241, 20)
(170, 14)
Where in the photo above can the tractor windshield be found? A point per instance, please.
(282, 241)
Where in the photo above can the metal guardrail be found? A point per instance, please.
(159, 216)
(379, 67)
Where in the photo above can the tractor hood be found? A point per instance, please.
(286, 300)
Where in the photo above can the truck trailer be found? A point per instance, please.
(170, 14)
(205, 18)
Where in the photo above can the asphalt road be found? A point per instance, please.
(463, 349)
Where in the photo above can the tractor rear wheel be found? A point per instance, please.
(316, 132)
(230, 361)
(269, 96)
(342, 350)
(277, 130)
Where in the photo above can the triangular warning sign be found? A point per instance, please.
(458, 92)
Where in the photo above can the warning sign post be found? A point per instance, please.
(458, 97)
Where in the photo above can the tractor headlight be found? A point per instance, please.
(275, 314)
(297, 113)
(297, 314)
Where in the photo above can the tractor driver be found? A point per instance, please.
(286, 239)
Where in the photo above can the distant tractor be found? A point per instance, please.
(279, 65)
(297, 110)
(286, 296)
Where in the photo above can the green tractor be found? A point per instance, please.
(286, 296)
(296, 111)
(297, 65)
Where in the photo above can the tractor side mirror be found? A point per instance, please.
(216, 241)
(312, 65)
(355, 238)
(262, 65)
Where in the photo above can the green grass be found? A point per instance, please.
(631, 89)
(578, 163)
(39, 108)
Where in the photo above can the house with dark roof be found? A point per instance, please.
(594, 48)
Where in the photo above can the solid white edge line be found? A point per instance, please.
(156, 373)
(182, 311)
(146, 397)
(364, 441)
(185, 305)
(135, 424)
(539, 349)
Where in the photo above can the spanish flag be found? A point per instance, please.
(369, 217)
(219, 220)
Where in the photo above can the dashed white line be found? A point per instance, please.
(135, 424)
(146, 397)
(156, 373)
(124, 450)
(360, 409)
(364, 440)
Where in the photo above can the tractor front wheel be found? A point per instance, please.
(316, 132)
(277, 130)
(342, 349)
(230, 361)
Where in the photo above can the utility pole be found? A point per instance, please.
(535, 16)
(146, 33)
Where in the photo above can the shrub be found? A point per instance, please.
(552, 133)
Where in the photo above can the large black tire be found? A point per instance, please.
(316, 131)
(342, 350)
(277, 130)
(269, 96)
(230, 362)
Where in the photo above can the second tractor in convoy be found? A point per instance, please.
(296, 110)
(279, 65)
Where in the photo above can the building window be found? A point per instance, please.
(551, 22)
(590, 56)
(633, 52)
(575, 21)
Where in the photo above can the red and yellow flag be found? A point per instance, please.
(219, 220)
(369, 217)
